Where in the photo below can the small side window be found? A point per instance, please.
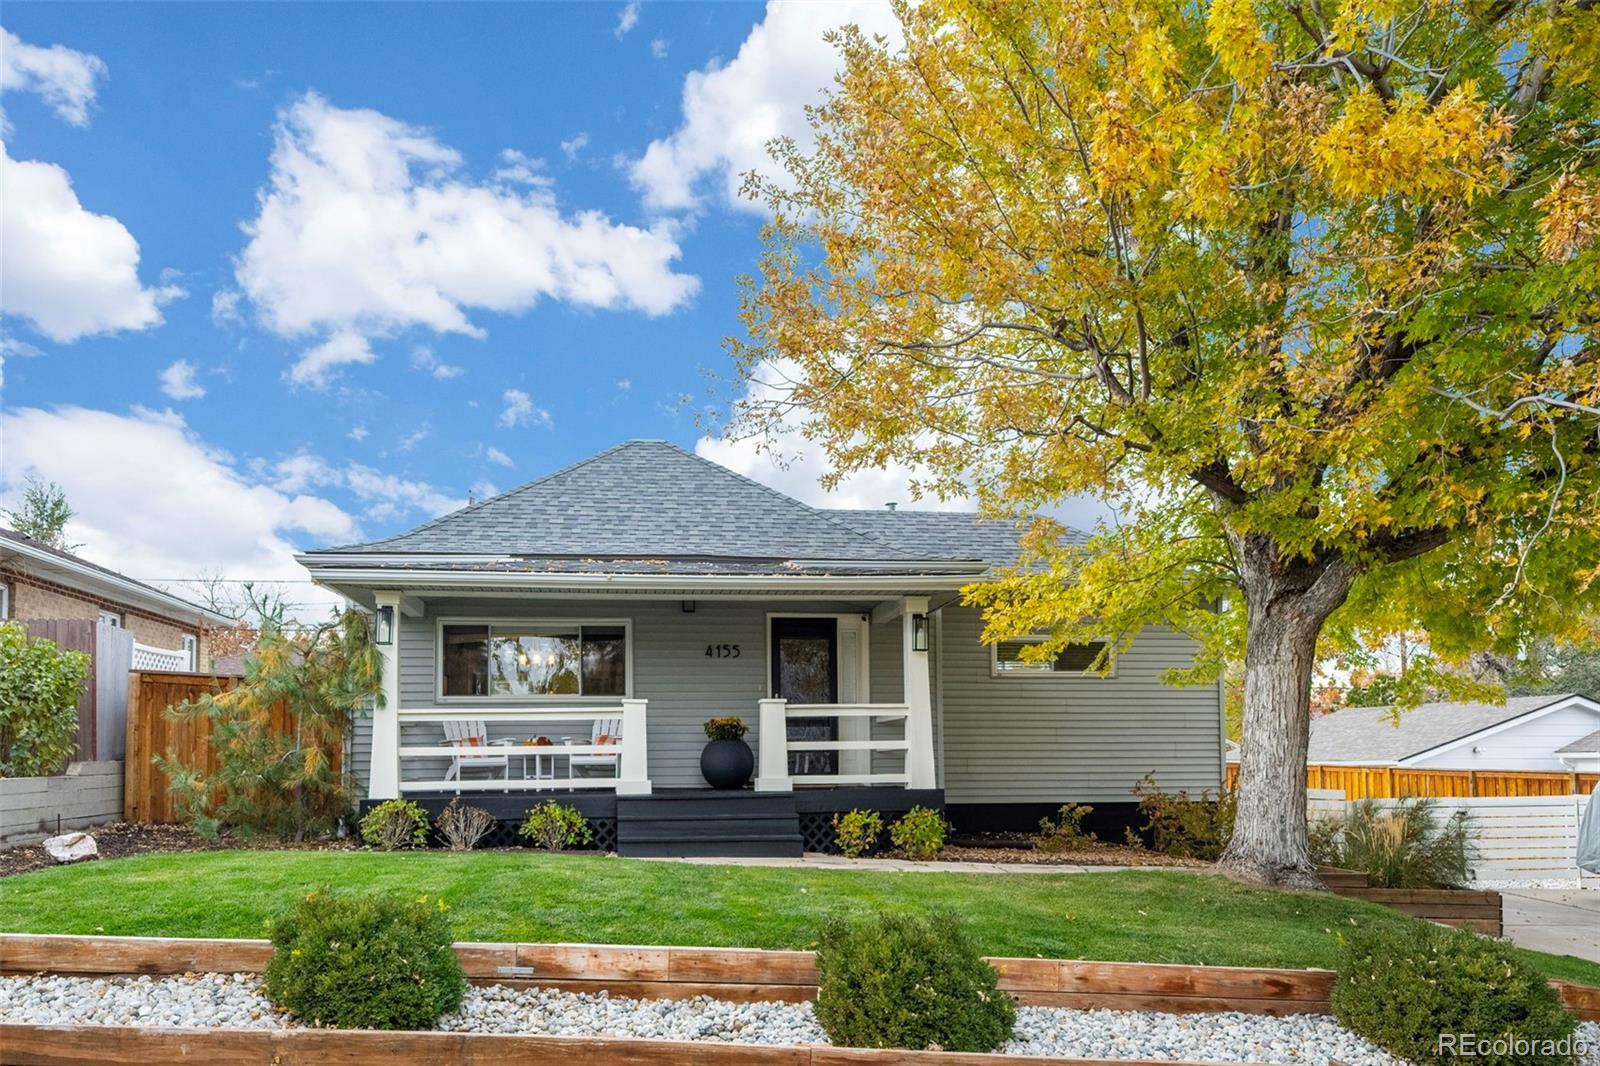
(1072, 659)
(111, 618)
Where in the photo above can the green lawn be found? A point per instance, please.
(498, 896)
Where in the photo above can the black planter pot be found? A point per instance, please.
(727, 763)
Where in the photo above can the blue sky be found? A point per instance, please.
(279, 275)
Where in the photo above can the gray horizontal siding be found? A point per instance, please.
(1080, 739)
(670, 669)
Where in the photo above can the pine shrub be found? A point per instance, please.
(1410, 989)
(365, 962)
(902, 981)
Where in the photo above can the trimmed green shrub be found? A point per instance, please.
(857, 832)
(395, 824)
(1184, 827)
(39, 686)
(365, 962)
(1065, 832)
(919, 834)
(903, 981)
(1403, 845)
(1406, 988)
(556, 827)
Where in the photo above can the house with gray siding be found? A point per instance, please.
(572, 636)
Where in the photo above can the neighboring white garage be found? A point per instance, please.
(1524, 733)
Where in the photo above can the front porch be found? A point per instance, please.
(507, 702)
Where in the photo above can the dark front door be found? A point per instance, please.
(805, 669)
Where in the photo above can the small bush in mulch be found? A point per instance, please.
(1184, 826)
(1065, 831)
(1402, 988)
(365, 962)
(902, 981)
(462, 827)
(395, 824)
(919, 834)
(555, 827)
(856, 832)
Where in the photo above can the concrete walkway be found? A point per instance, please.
(1563, 921)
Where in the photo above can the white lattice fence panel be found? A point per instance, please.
(146, 657)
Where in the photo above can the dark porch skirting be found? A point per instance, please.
(700, 822)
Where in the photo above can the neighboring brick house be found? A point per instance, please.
(40, 582)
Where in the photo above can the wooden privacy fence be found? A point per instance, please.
(151, 732)
(1397, 782)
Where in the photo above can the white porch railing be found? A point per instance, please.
(855, 723)
(146, 657)
(529, 766)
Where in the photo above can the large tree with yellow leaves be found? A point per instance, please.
(1307, 290)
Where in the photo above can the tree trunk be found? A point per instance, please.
(1286, 604)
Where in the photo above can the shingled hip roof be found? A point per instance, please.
(650, 506)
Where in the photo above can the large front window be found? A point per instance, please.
(535, 659)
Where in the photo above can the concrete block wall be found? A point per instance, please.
(32, 808)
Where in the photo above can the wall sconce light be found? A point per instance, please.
(919, 632)
(383, 628)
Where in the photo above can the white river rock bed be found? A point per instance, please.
(236, 1001)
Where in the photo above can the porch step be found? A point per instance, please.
(707, 823)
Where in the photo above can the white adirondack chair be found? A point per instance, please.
(603, 727)
(473, 735)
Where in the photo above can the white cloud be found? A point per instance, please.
(624, 384)
(317, 365)
(128, 475)
(658, 48)
(368, 226)
(522, 169)
(65, 79)
(69, 271)
(495, 455)
(574, 144)
(627, 19)
(414, 438)
(482, 489)
(422, 358)
(520, 411)
(225, 307)
(357, 433)
(731, 111)
(383, 496)
(178, 382)
(790, 463)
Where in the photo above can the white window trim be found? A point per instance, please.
(438, 659)
(5, 601)
(1045, 675)
(121, 619)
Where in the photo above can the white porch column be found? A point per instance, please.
(918, 696)
(772, 761)
(383, 775)
(633, 770)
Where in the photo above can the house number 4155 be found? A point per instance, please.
(722, 651)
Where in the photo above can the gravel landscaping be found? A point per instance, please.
(235, 1001)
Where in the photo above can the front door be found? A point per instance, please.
(805, 669)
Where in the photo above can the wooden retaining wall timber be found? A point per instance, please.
(1480, 910)
(40, 1045)
(727, 973)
